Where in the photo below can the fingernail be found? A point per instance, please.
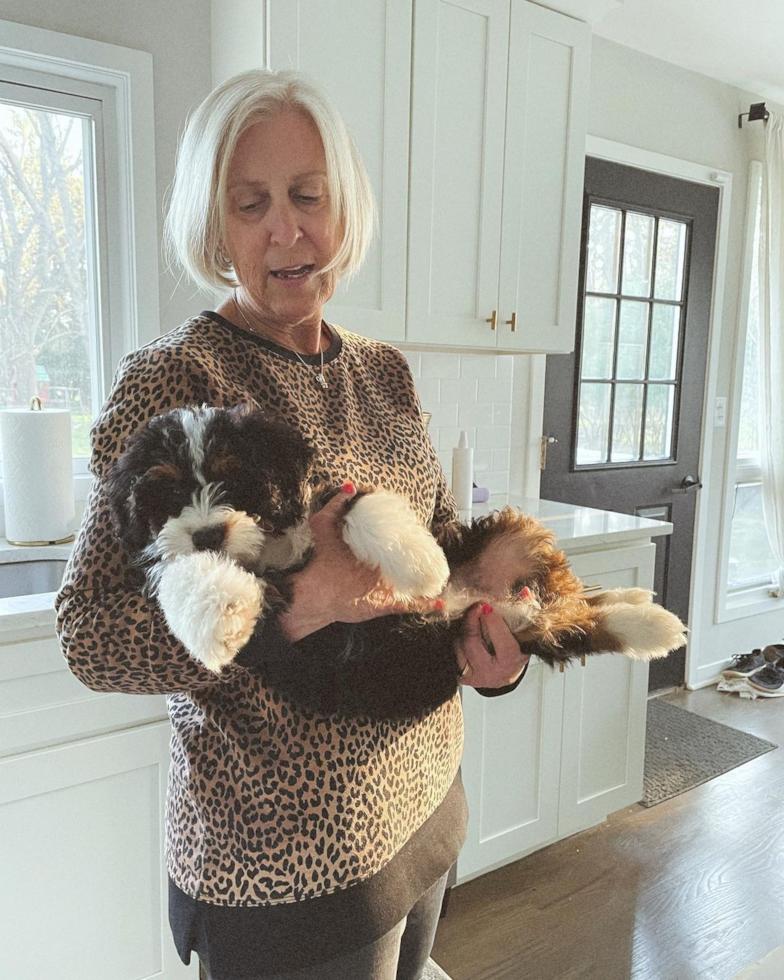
(438, 604)
(486, 609)
(348, 487)
(525, 592)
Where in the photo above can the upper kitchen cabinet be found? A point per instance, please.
(361, 55)
(498, 125)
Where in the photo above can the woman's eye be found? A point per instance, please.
(307, 199)
(249, 207)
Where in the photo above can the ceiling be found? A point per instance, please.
(736, 41)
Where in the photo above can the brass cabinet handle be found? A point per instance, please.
(513, 322)
(493, 320)
(582, 662)
(592, 588)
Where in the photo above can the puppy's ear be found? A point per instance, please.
(121, 482)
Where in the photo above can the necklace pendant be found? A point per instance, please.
(322, 381)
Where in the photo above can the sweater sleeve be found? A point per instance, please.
(113, 637)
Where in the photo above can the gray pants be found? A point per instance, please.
(400, 954)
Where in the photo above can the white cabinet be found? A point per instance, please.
(498, 123)
(82, 796)
(360, 54)
(81, 848)
(482, 210)
(562, 751)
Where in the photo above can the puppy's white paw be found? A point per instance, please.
(634, 597)
(645, 631)
(384, 533)
(211, 605)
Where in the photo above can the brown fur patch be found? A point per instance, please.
(164, 471)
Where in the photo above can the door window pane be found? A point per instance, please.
(632, 339)
(664, 342)
(751, 558)
(637, 254)
(670, 259)
(627, 422)
(603, 250)
(594, 424)
(44, 324)
(598, 337)
(658, 422)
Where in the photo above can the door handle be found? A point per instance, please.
(493, 320)
(686, 484)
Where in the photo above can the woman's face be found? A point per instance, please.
(279, 230)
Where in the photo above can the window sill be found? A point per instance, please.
(754, 602)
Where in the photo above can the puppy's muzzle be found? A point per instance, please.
(209, 538)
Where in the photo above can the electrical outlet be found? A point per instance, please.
(720, 413)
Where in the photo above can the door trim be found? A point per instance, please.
(704, 584)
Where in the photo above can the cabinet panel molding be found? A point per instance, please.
(457, 136)
(366, 70)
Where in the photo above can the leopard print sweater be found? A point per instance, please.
(266, 805)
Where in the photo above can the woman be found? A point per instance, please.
(298, 846)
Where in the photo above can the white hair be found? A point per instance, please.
(195, 222)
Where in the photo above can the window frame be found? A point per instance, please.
(120, 79)
(676, 382)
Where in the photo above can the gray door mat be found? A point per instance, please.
(683, 750)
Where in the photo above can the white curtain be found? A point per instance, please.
(771, 272)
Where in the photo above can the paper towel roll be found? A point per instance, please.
(37, 475)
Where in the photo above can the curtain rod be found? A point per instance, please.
(756, 111)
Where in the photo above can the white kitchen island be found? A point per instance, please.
(83, 774)
(567, 747)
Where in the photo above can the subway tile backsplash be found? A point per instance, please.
(471, 392)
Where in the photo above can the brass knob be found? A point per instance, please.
(512, 322)
(493, 320)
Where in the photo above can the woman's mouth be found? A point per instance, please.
(292, 272)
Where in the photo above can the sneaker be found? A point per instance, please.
(747, 664)
(769, 682)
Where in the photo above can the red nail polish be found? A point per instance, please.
(525, 592)
(486, 609)
(438, 604)
(348, 487)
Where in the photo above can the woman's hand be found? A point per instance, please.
(334, 586)
(487, 651)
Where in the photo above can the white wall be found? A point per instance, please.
(651, 104)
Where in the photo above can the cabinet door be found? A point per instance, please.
(546, 124)
(84, 893)
(360, 54)
(510, 771)
(457, 137)
(605, 704)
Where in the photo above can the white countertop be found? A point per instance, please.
(576, 528)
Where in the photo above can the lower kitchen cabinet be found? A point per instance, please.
(565, 749)
(84, 893)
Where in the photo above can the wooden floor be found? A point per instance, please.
(691, 889)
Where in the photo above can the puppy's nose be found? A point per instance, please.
(209, 538)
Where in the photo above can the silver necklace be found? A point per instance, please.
(320, 379)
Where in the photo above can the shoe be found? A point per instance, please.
(747, 664)
(769, 681)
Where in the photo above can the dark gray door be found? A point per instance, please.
(626, 407)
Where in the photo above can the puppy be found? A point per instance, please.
(214, 506)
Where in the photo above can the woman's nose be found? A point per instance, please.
(283, 223)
